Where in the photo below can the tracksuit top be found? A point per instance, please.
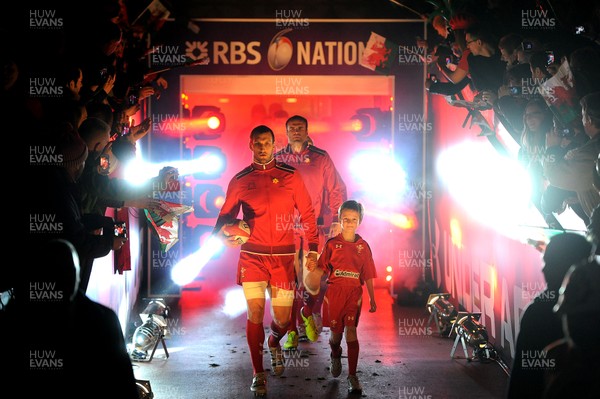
(319, 175)
(268, 195)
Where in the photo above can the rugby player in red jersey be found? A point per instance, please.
(327, 191)
(267, 192)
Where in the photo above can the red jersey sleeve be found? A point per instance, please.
(325, 258)
(307, 213)
(231, 207)
(335, 186)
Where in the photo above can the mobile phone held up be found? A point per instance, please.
(527, 46)
(104, 162)
(120, 229)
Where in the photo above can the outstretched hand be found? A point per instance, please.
(139, 131)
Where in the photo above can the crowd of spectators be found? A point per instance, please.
(76, 103)
(542, 85)
(537, 76)
(71, 103)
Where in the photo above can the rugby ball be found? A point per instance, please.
(280, 53)
(237, 229)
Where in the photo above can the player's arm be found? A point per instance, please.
(368, 274)
(312, 279)
(307, 215)
(325, 258)
(371, 291)
(337, 194)
(229, 211)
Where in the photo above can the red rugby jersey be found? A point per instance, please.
(324, 183)
(269, 195)
(347, 263)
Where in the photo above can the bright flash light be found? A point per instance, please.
(189, 267)
(493, 189)
(235, 302)
(388, 269)
(138, 172)
(388, 278)
(372, 170)
(400, 220)
(207, 163)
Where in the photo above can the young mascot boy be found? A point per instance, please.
(348, 261)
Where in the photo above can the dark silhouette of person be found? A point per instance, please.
(539, 324)
(70, 346)
(576, 372)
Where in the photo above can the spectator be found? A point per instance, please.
(99, 192)
(513, 96)
(435, 86)
(61, 326)
(63, 202)
(539, 66)
(554, 199)
(576, 371)
(585, 66)
(537, 121)
(509, 46)
(575, 170)
(485, 66)
(539, 326)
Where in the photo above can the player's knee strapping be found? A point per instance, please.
(283, 298)
(254, 289)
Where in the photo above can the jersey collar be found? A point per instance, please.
(264, 166)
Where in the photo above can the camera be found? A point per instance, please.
(514, 90)
(433, 78)
(549, 57)
(104, 164)
(120, 229)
